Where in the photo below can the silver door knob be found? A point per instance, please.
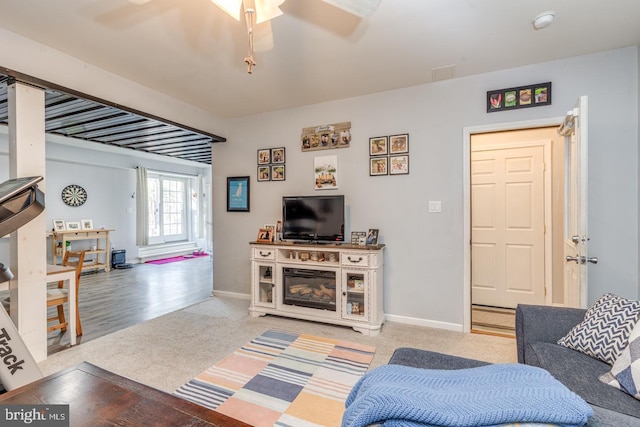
(593, 260)
(575, 239)
(573, 258)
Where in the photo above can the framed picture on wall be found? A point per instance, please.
(277, 155)
(378, 146)
(399, 144)
(238, 194)
(264, 156)
(264, 173)
(277, 173)
(378, 166)
(398, 165)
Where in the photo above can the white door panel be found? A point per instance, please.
(508, 217)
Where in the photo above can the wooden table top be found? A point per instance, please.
(98, 397)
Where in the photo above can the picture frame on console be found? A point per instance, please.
(73, 225)
(372, 236)
(358, 238)
(265, 235)
(86, 224)
(59, 225)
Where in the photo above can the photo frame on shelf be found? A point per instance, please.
(264, 156)
(86, 224)
(59, 225)
(277, 172)
(358, 238)
(372, 236)
(399, 144)
(265, 235)
(399, 165)
(73, 225)
(238, 194)
(378, 146)
(264, 173)
(277, 155)
(378, 166)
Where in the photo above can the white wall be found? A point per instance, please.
(108, 174)
(424, 255)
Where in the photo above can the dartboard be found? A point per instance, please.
(74, 195)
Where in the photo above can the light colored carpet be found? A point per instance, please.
(168, 351)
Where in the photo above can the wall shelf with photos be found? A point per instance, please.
(389, 155)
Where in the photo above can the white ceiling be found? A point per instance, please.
(192, 51)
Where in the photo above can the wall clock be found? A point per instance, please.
(74, 195)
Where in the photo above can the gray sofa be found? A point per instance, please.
(537, 330)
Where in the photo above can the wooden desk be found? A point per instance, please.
(56, 273)
(97, 397)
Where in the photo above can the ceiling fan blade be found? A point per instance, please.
(361, 8)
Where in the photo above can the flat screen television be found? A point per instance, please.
(313, 218)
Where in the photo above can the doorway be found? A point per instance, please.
(513, 218)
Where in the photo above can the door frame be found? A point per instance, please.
(466, 197)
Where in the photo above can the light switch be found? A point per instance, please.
(435, 206)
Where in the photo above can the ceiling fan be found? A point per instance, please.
(261, 11)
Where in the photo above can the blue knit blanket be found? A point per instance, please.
(485, 396)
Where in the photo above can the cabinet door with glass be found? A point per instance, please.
(264, 280)
(355, 294)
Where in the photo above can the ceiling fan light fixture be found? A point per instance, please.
(231, 7)
(543, 20)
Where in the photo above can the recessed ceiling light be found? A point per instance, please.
(543, 20)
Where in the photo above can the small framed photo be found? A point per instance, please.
(399, 144)
(398, 165)
(86, 224)
(264, 156)
(358, 238)
(277, 155)
(265, 235)
(264, 173)
(378, 146)
(59, 225)
(73, 225)
(238, 194)
(378, 166)
(271, 228)
(277, 173)
(372, 236)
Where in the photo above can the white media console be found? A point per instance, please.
(332, 283)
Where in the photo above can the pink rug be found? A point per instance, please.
(176, 258)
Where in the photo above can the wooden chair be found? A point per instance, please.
(57, 297)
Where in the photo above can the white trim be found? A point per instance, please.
(230, 294)
(455, 327)
(467, 131)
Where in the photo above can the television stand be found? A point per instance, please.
(332, 283)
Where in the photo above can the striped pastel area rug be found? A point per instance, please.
(282, 379)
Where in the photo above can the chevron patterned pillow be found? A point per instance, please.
(605, 330)
(625, 373)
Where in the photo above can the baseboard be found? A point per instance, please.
(231, 294)
(424, 322)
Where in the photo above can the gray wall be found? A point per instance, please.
(424, 255)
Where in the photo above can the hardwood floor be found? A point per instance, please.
(114, 300)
